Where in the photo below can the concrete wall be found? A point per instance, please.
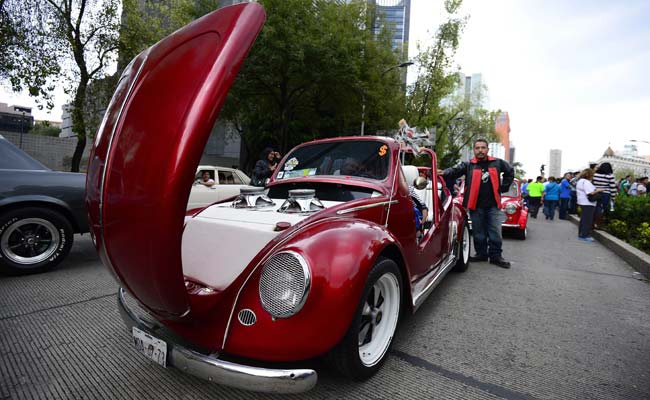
(53, 152)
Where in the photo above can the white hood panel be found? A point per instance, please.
(221, 241)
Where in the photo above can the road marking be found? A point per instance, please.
(464, 379)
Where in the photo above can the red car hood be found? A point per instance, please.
(146, 151)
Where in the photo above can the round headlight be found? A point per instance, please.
(511, 208)
(284, 284)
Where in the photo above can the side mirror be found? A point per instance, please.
(420, 183)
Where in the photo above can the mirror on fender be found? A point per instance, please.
(420, 183)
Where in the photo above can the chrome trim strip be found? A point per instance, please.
(213, 369)
(510, 225)
(431, 281)
(365, 207)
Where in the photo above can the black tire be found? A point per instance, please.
(462, 254)
(345, 357)
(33, 240)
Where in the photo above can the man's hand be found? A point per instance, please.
(441, 172)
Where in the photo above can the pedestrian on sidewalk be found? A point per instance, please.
(573, 202)
(588, 207)
(483, 188)
(565, 195)
(535, 190)
(551, 198)
(604, 179)
(524, 191)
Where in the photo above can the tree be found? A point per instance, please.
(312, 69)
(519, 171)
(69, 41)
(436, 79)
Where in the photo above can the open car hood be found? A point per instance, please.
(148, 147)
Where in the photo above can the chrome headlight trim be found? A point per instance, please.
(510, 209)
(269, 308)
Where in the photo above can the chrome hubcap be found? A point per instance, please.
(379, 319)
(30, 241)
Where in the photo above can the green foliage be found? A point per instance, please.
(617, 228)
(146, 22)
(45, 129)
(309, 73)
(642, 239)
(630, 220)
(519, 171)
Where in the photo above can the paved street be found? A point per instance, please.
(568, 321)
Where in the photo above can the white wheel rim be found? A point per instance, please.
(379, 319)
(29, 241)
(465, 245)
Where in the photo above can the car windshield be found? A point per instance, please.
(362, 158)
(11, 157)
(513, 191)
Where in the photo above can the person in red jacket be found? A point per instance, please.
(483, 187)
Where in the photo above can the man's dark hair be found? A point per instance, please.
(539, 178)
(480, 140)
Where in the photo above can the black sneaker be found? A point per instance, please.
(500, 262)
(477, 258)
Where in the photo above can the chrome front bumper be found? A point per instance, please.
(211, 368)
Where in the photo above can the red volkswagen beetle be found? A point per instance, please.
(515, 210)
(320, 263)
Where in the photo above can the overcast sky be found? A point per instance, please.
(573, 75)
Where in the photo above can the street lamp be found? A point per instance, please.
(639, 141)
(22, 128)
(363, 94)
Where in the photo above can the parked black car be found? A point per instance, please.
(40, 210)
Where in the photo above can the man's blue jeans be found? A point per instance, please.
(486, 229)
(564, 207)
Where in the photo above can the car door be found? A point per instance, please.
(148, 147)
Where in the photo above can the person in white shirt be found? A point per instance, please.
(205, 179)
(584, 188)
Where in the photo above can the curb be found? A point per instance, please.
(639, 260)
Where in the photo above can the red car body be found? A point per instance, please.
(199, 276)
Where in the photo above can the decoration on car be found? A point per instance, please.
(408, 137)
(298, 173)
(280, 174)
(382, 150)
(290, 164)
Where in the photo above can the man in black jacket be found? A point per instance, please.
(483, 188)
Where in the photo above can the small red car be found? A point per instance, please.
(513, 206)
(320, 263)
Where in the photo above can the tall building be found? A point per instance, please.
(503, 131)
(496, 150)
(397, 15)
(555, 163)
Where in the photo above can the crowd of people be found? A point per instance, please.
(594, 189)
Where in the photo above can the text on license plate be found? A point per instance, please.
(150, 346)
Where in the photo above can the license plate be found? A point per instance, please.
(150, 346)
